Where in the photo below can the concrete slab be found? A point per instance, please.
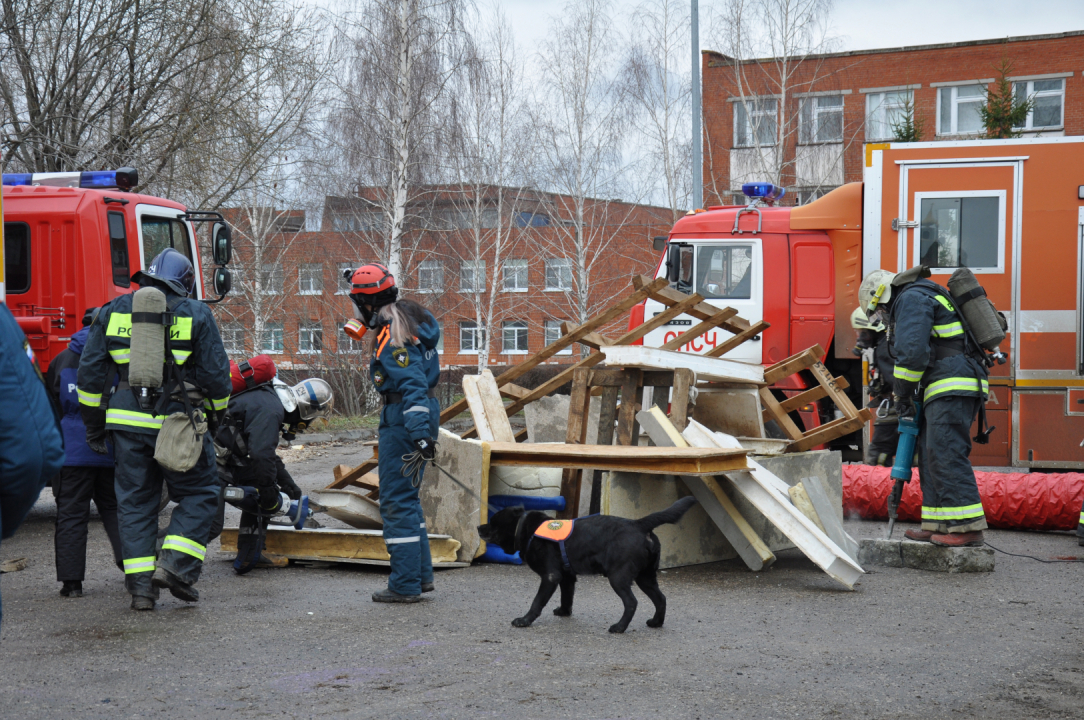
(547, 420)
(450, 510)
(925, 556)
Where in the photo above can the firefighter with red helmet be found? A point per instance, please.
(405, 368)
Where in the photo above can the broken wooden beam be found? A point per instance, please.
(705, 368)
(340, 545)
(651, 460)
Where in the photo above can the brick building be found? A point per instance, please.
(808, 131)
(449, 267)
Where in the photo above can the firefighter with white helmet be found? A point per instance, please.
(405, 369)
(935, 364)
(873, 336)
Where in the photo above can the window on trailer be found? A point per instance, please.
(959, 232)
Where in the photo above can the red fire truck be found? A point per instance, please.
(1011, 210)
(72, 241)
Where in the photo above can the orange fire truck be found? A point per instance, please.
(72, 241)
(1011, 210)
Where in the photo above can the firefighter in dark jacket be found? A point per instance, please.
(874, 337)
(932, 363)
(405, 368)
(197, 348)
(86, 475)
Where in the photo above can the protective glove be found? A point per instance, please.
(269, 497)
(288, 486)
(426, 447)
(94, 420)
(905, 407)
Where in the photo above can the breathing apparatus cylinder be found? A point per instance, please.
(987, 324)
(148, 340)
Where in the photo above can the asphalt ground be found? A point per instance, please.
(308, 642)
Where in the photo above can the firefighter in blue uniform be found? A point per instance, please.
(405, 368)
(197, 348)
(932, 356)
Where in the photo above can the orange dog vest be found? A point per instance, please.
(556, 530)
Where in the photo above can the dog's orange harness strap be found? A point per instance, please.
(556, 530)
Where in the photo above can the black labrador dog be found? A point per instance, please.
(623, 550)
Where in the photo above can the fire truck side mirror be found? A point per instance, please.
(223, 281)
(221, 245)
(659, 243)
(673, 263)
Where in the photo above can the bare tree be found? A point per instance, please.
(656, 80)
(201, 96)
(388, 125)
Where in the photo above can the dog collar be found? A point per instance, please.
(519, 526)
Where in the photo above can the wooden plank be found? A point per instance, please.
(659, 320)
(513, 391)
(608, 315)
(760, 487)
(579, 404)
(337, 544)
(353, 477)
(831, 431)
(473, 396)
(822, 505)
(834, 391)
(810, 396)
(684, 379)
(774, 412)
(607, 416)
(709, 493)
(628, 432)
(651, 460)
(494, 407)
(703, 311)
(705, 368)
(697, 330)
(615, 377)
(795, 363)
(801, 501)
(700, 436)
(733, 342)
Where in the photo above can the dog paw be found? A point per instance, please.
(654, 623)
(521, 622)
(561, 612)
(617, 628)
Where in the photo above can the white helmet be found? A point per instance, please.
(875, 290)
(314, 398)
(859, 321)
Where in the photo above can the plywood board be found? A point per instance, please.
(734, 411)
(833, 525)
(653, 460)
(337, 545)
(705, 368)
(353, 508)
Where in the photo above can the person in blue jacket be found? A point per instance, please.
(86, 475)
(405, 368)
(31, 446)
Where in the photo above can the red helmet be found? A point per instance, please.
(372, 287)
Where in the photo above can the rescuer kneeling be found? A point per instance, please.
(934, 363)
(404, 368)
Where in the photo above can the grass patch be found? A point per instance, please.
(350, 422)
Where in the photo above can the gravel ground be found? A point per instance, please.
(308, 642)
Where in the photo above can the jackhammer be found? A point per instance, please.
(901, 470)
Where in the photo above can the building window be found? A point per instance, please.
(514, 275)
(961, 229)
(271, 339)
(471, 337)
(529, 219)
(359, 222)
(821, 119)
(1049, 99)
(310, 279)
(233, 338)
(430, 276)
(754, 122)
(343, 287)
(271, 279)
(472, 276)
(553, 334)
(884, 111)
(958, 109)
(310, 340)
(558, 274)
(515, 338)
(348, 344)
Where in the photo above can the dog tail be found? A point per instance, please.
(670, 515)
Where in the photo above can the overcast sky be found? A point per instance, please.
(864, 24)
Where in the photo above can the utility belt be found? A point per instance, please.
(390, 398)
(195, 394)
(946, 348)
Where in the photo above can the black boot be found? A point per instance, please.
(72, 588)
(165, 579)
(142, 603)
(428, 587)
(387, 595)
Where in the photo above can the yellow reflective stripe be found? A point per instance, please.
(120, 325)
(121, 355)
(904, 374)
(957, 383)
(133, 418)
(181, 329)
(89, 399)
(944, 301)
(181, 355)
(1082, 518)
(138, 565)
(184, 545)
(963, 512)
(949, 330)
(220, 404)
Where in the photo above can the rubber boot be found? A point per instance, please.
(968, 539)
(387, 595)
(72, 588)
(142, 603)
(919, 535)
(428, 587)
(179, 589)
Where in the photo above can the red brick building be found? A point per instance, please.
(808, 131)
(302, 300)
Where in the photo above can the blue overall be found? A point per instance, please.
(409, 374)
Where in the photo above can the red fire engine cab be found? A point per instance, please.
(73, 240)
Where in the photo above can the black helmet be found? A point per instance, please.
(172, 269)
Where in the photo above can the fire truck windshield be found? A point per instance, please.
(724, 271)
(160, 233)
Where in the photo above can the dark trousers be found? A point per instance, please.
(950, 495)
(74, 488)
(139, 489)
(883, 443)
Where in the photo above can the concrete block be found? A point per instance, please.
(547, 420)
(450, 510)
(925, 556)
(537, 482)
